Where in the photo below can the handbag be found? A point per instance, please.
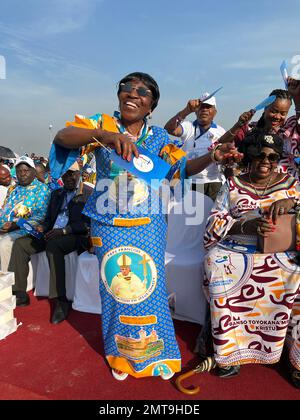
(282, 239)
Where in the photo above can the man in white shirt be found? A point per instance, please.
(198, 136)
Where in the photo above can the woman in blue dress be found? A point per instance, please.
(129, 230)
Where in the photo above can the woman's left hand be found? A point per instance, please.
(294, 90)
(280, 207)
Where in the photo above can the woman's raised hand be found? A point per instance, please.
(245, 117)
(294, 89)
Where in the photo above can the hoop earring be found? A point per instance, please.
(149, 116)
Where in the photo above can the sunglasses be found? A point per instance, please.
(141, 91)
(272, 157)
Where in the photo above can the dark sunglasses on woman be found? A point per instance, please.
(141, 91)
(272, 157)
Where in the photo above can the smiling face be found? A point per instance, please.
(133, 106)
(264, 165)
(275, 114)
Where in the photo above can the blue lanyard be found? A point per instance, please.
(201, 130)
(67, 199)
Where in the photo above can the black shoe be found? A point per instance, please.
(22, 298)
(295, 377)
(61, 311)
(228, 371)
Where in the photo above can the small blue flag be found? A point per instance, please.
(23, 224)
(147, 166)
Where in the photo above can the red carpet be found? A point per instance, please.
(65, 362)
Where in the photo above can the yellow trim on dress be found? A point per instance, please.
(96, 241)
(132, 222)
(120, 363)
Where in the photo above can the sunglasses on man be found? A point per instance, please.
(141, 91)
(272, 157)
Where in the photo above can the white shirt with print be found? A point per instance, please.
(196, 145)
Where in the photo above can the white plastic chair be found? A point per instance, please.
(86, 295)
(185, 254)
(31, 278)
(43, 274)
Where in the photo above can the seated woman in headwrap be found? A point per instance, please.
(254, 298)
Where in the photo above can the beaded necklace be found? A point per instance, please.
(264, 191)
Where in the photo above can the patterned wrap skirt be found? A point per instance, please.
(138, 331)
(254, 302)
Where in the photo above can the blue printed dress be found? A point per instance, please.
(129, 235)
(30, 202)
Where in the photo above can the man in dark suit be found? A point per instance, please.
(65, 229)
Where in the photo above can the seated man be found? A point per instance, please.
(64, 230)
(29, 200)
(5, 182)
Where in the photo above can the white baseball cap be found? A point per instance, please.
(25, 159)
(210, 101)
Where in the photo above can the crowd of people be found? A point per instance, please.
(64, 203)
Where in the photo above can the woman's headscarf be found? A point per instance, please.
(253, 143)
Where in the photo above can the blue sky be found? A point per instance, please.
(66, 56)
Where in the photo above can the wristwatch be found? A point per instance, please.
(64, 231)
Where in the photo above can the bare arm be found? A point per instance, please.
(75, 137)
(230, 134)
(225, 152)
(194, 166)
(172, 126)
(294, 91)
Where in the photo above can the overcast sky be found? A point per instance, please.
(66, 56)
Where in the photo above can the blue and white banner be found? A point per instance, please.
(147, 166)
(284, 73)
(266, 102)
(23, 224)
